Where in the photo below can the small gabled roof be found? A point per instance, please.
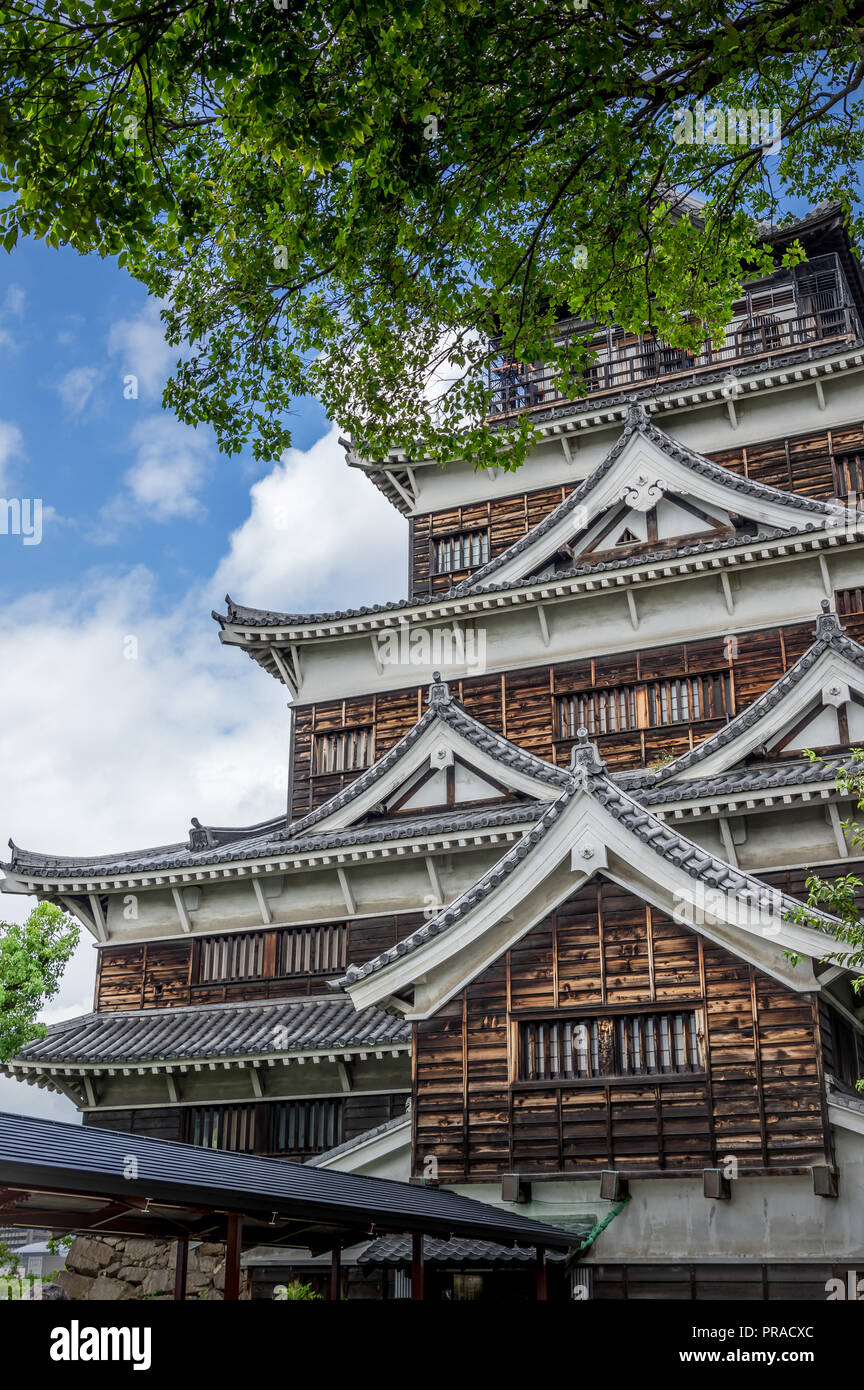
(445, 725)
(832, 657)
(613, 479)
(604, 830)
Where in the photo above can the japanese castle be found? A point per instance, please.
(531, 926)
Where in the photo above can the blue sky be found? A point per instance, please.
(145, 527)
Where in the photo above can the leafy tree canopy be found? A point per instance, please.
(33, 956)
(341, 198)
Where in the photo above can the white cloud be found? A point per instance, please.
(11, 448)
(12, 307)
(14, 301)
(76, 389)
(170, 469)
(319, 534)
(101, 753)
(141, 348)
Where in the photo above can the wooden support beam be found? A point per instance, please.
(633, 610)
(540, 1272)
(417, 1266)
(544, 625)
(232, 1258)
(434, 880)
(185, 921)
(98, 916)
(180, 1268)
(263, 905)
(336, 1273)
(350, 904)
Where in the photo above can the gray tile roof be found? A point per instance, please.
(640, 422)
(273, 839)
(829, 635)
(588, 774)
(396, 1250)
(638, 419)
(742, 780)
(255, 617)
(217, 1031)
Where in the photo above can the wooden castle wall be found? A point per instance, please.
(760, 1099)
(162, 974)
(522, 704)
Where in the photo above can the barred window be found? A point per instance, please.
(849, 601)
(299, 1128)
(649, 1044)
(621, 709)
(222, 1127)
(345, 750)
(306, 1126)
(463, 551)
(239, 957)
(313, 950)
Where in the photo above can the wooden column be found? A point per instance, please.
(180, 1267)
(336, 1273)
(540, 1266)
(417, 1270)
(232, 1258)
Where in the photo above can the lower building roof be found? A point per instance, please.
(84, 1179)
(209, 1031)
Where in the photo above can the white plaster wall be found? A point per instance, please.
(668, 1219)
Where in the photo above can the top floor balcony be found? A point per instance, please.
(790, 314)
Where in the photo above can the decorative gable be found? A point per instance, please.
(818, 704)
(592, 829)
(448, 761)
(651, 492)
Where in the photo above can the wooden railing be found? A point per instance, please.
(628, 360)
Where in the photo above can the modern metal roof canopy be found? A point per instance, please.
(74, 1178)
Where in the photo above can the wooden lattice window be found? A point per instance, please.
(313, 950)
(462, 550)
(650, 705)
(849, 475)
(299, 1128)
(239, 957)
(849, 601)
(344, 750)
(639, 1044)
(223, 1127)
(305, 1127)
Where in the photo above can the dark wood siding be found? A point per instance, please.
(522, 704)
(826, 463)
(157, 975)
(759, 1101)
(159, 1123)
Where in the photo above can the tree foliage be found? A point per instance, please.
(348, 197)
(33, 956)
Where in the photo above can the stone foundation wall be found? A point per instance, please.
(124, 1267)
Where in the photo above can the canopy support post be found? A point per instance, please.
(232, 1258)
(180, 1267)
(336, 1273)
(540, 1268)
(417, 1265)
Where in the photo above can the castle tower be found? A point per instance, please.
(551, 817)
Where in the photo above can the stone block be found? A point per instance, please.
(109, 1289)
(77, 1286)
